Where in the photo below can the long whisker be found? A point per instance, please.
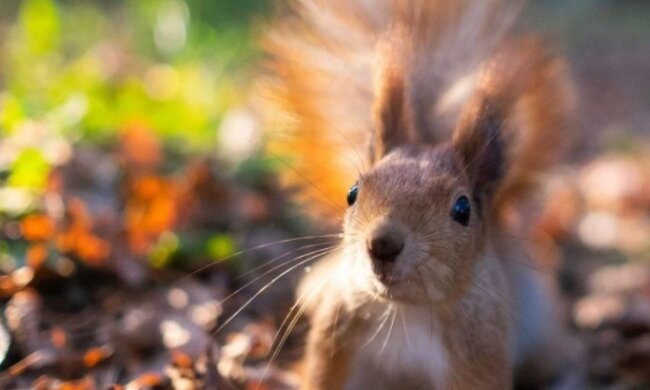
(308, 200)
(485, 288)
(312, 253)
(522, 239)
(333, 273)
(478, 153)
(307, 180)
(562, 351)
(264, 288)
(302, 303)
(332, 150)
(277, 258)
(336, 318)
(406, 332)
(390, 331)
(262, 246)
(497, 257)
(384, 319)
(503, 306)
(353, 146)
(524, 264)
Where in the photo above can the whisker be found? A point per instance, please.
(390, 331)
(525, 239)
(303, 305)
(312, 253)
(269, 262)
(264, 288)
(352, 145)
(406, 333)
(314, 211)
(503, 306)
(336, 318)
(307, 180)
(478, 153)
(524, 264)
(329, 149)
(262, 246)
(384, 319)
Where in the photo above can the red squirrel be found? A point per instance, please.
(459, 114)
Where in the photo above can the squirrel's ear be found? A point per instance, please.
(512, 123)
(479, 140)
(392, 123)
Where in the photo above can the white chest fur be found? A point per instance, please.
(402, 348)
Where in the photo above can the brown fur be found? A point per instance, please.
(448, 284)
(473, 326)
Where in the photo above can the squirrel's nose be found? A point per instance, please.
(385, 248)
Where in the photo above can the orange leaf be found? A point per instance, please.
(139, 145)
(252, 385)
(37, 227)
(181, 359)
(161, 215)
(82, 384)
(36, 255)
(148, 379)
(92, 248)
(94, 356)
(7, 286)
(148, 187)
(58, 337)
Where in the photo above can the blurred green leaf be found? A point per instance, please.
(220, 246)
(11, 113)
(29, 170)
(40, 22)
(161, 254)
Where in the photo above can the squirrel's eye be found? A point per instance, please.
(461, 211)
(352, 194)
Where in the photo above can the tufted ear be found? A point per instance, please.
(515, 123)
(392, 116)
(480, 136)
(479, 140)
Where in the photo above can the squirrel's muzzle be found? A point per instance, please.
(385, 245)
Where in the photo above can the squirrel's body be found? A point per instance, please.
(459, 114)
(358, 342)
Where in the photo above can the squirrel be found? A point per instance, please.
(459, 114)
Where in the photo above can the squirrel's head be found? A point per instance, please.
(415, 223)
(418, 219)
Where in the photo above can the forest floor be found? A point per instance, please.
(141, 268)
(129, 277)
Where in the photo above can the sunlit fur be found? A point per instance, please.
(326, 59)
(429, 100)
(460, 331)
(411, 192)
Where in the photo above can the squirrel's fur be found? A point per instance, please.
(330, 58)
(424, 102)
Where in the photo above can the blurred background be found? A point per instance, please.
(136, 197)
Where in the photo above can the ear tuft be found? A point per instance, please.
(479, 141)
(515, 123)
(392, 117)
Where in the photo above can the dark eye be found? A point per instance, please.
(461, 211)
(352, 194)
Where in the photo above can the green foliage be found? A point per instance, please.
(220, 246)
(134, 60)
(29, 170)
(85, 70)
(79, 72)
(162, 252)
(40, 24)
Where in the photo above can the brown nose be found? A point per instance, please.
(385, 248)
